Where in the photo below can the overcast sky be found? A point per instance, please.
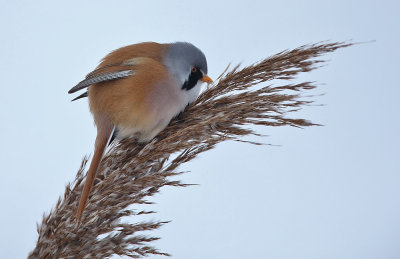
(324, 192)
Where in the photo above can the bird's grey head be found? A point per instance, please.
(186, 62)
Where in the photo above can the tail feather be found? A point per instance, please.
(104, 132)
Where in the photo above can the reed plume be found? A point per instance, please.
(260, 94)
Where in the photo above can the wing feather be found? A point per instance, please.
(101, 78)
(85, 94)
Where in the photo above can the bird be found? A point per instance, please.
(135, 91)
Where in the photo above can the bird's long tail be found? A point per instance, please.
(105, 130)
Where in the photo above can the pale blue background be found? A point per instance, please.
(326, 192)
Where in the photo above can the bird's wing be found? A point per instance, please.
(101, 77)
(109, 72)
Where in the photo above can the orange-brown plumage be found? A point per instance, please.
(104, 130)
(130, 102)
(151, 50)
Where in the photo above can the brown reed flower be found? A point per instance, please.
(260, 94)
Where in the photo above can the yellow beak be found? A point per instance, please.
(206, 79)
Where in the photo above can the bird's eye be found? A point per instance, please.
(194, 69)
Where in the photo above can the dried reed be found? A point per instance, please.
(130, 173)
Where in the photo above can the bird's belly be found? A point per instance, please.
(143, 133)
(163, 103)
